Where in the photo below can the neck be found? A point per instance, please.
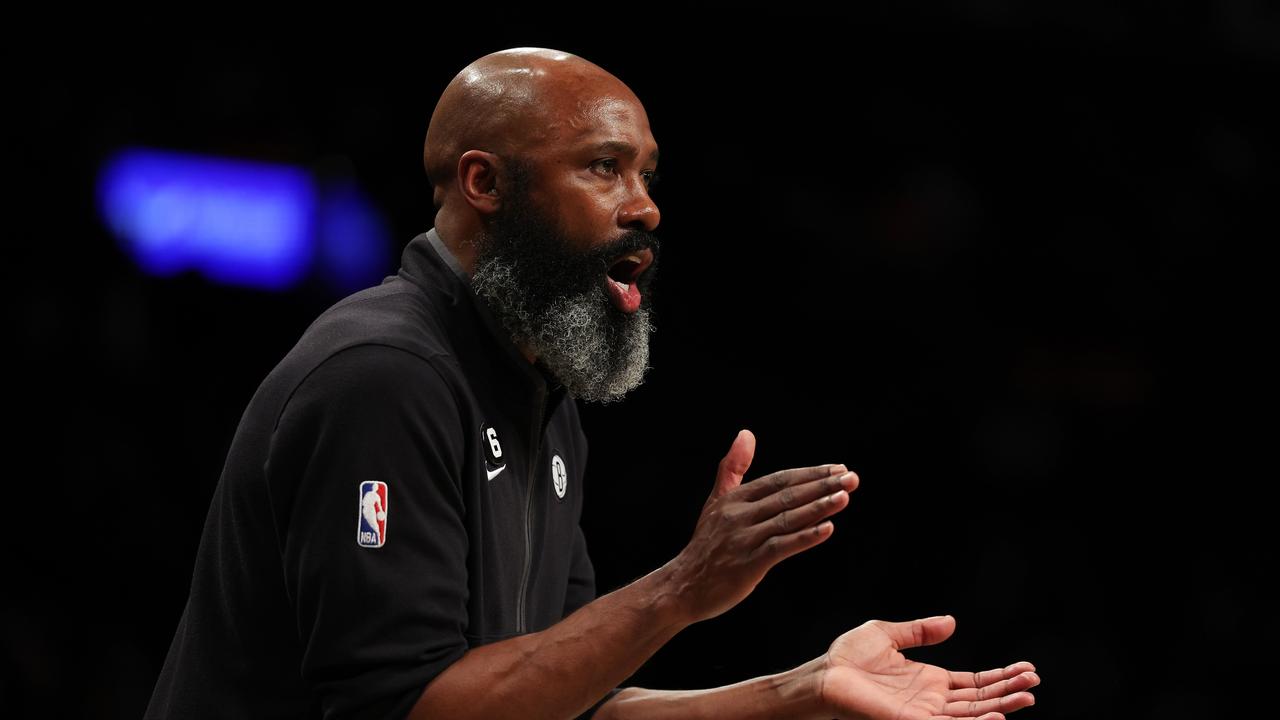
(459, 235)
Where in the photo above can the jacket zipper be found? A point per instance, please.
(521, 622)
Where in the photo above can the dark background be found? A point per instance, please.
(1004, 262)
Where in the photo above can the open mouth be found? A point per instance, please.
(620, 279)
(627, 268)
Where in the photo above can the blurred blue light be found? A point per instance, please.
(238, 222)
(345, 264)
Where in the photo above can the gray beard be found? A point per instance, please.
(595, 351)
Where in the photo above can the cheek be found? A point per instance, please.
(586, 209)
(588, 224)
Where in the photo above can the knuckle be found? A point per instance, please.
(784, 522)
(788, 497)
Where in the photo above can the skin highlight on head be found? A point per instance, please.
(536, 219)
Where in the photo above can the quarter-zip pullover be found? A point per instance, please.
(404, 485)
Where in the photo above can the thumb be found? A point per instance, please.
(914, 633)
(735, 463)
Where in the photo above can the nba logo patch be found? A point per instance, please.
(372, 521)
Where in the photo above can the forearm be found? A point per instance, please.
(562, 671)
(794, 695)
(559, 672)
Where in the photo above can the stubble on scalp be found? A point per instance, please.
(548, 297)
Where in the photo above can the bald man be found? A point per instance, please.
(452, 387)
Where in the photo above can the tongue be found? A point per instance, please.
(628, 300)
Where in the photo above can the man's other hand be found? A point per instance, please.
(746, 529)
(863, 675)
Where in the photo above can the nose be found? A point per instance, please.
(639, 211)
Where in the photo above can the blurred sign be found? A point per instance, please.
(239, 222)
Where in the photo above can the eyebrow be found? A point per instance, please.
(622, 147)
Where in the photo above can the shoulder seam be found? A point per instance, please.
(426, 359)
(352, 300)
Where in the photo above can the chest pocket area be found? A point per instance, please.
(498, 531)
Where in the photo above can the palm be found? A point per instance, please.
(869, 678)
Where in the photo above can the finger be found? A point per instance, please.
(988, 677)
(793, 497)
(914, 633)
(808, 515)
(734, 464)
(1022, 681)
(976, 708)
(779, 547)
(772, 483)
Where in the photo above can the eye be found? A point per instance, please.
(611, 164)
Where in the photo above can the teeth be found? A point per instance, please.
(624, 286)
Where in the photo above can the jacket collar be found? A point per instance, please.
(427, 262)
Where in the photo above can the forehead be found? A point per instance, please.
(585, 124)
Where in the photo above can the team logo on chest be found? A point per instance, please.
(372, 519)
(559, 476)
(494, 462)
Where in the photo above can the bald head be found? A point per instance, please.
(510, 102)
(541, 164)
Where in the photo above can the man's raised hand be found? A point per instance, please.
(744, 530)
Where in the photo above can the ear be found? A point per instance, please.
(478, 180)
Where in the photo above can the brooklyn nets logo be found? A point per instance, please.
(559, 477)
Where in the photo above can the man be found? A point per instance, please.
(448, 392)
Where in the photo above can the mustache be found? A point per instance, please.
(632, 241)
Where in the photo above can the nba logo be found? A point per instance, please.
(372, 521)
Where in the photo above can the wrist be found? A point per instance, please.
(667, 595)
(676, 586)
(803, 688)
(797, 693)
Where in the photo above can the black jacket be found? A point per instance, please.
(299, 607)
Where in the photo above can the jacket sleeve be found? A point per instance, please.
(376, 621)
